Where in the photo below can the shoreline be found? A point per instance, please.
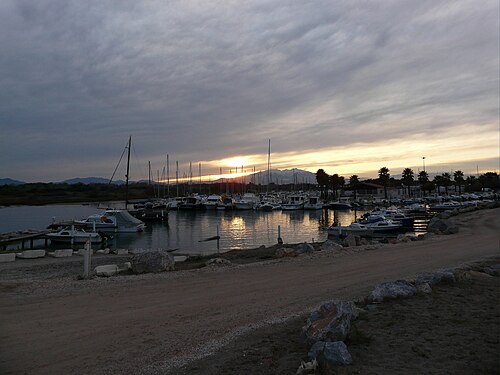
(150, 320)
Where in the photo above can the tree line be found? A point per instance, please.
(409, 179)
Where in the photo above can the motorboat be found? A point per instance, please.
(125, 222)
(226, 204)
(294, 203)
(112, 221)
(212, 201)
(394, 214)
(174, 203)
(356, 229)
(342, 204)
(247, 202)
(192, 203)
(384, 227)
(313, 203)
(450, 205)
(98, 222)
(72, 235)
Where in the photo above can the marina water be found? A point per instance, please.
(184, 229)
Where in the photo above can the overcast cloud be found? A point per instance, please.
(208, 80)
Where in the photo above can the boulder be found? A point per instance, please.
(334, 354)
(304, 248)
(307, 367)
(435, 278)
(218, 262)
(152, 261)
(331, 322)
(424, 288)
(351, 240)
(403, 238)
(330, 245)
(285, 252)
(363, 242)
(441, 226)
(392, 290)
(493, 270)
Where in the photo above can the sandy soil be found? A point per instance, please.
(454, 330)
(152, 323)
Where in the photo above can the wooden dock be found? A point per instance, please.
(23, 237)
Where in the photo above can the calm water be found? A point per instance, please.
(237, 229)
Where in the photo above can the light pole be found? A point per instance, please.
(423, 161)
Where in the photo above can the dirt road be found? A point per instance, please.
(146, 324)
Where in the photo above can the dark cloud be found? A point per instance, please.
(203, 81)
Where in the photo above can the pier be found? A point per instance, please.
(23, 237)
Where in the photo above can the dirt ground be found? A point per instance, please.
(53, 323)
(454, 330)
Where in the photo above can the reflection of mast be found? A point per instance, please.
(268, 166)
(168, 177)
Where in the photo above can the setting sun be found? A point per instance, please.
(235, 162)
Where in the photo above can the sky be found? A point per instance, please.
(347, 86)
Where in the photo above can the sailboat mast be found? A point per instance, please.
(128, 170)
(168, 177)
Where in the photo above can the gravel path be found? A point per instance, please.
(147, 324)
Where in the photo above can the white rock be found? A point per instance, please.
(61, 253)
(31, 254)
(10, 257)
(120, 251)
(106, 270)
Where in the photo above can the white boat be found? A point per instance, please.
(355, 228)
(72, 235)
(294, 202)
(98, 222)
(226, 204)
(174, 203)
(384, 226)
(450, 205)
(212, 201)
(394, 214)
(112, 221)
(247, 202)
(192, 203)
(313, 203)
(125, 222)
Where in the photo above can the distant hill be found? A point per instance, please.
(91, 180)
(281, 177)
(10, 181)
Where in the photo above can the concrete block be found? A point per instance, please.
(180, 258)
(10, 257)
(62, 253)
(124, 267)
(136, 251)
(105, 251)
(120, 251)
(31, 254)
(106, 270)
(81, 252)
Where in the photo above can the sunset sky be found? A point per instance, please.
(347, 86)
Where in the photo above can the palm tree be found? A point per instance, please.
(384, 176)
(438, 181)
(322, 178)
(408, 178)
(335, 181)
(458, 177)
(446, 180)
(423, 179)
(354, 183)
